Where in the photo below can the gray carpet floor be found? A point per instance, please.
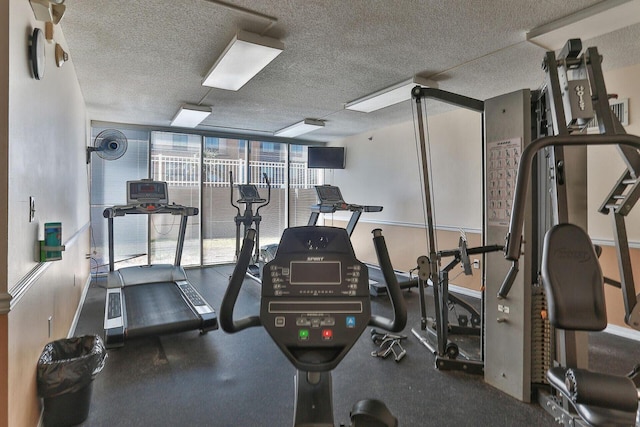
(218, 379)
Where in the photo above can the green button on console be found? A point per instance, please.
(303, 334)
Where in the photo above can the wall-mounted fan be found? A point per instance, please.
(110, 144)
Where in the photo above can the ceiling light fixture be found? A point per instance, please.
(244, 57)
(389, 96)
(305, 126)
(599, 19)
(190, 116)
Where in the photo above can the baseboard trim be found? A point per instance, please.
(465, 291)
(623, 332)
(76, 317)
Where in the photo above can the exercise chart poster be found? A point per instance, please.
(503, 157)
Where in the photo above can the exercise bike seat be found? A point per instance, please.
(372, 413)
(574, 288)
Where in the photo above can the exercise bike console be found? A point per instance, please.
(315, 297)
(315, 305)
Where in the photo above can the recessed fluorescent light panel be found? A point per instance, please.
(305, 126)
(597, 20)
(190, 116)
(244, 57)
(389, 96)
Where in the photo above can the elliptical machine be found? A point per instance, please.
(315, 305)
(249, 196)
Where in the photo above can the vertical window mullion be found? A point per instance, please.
(201, 174)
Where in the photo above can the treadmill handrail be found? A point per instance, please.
(342, 206)
(151, 208)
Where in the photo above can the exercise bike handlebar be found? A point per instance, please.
(228, 324)
(225, 317)
(399, 320)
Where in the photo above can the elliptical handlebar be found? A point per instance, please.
(225, 317)
(231, 192)
(266, 179)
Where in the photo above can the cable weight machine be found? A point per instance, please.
(547, 354)
(448, 354)
(446, 350)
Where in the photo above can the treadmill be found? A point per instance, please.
(331, 200)
(158, 299)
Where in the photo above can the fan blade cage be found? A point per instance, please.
(110, 144)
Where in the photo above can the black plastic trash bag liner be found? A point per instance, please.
(68, 365)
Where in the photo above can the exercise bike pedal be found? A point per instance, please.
(372, 412)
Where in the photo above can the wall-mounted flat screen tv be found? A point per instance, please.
(326, 157)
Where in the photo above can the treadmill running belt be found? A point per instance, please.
(157, 308)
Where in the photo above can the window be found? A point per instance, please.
(108, 188)
(175, 159)
(302, 182)
(222, 157)
(198, 170)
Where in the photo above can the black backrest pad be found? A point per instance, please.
(573, 280)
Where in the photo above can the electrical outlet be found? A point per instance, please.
(476, 263)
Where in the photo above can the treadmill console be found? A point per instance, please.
(147, 192)
(315, 297)
(329, 194)
(331, 201)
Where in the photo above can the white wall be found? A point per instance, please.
(42, 144)
(605, 165)
(47, 136)
(386, 171)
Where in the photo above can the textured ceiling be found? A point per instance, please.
(137, 61)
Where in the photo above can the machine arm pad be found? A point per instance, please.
(593, 388)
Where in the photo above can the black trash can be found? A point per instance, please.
(66, 370)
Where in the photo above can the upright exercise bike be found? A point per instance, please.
(249, 196)
(315, 305)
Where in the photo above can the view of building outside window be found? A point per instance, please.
(198, 170)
